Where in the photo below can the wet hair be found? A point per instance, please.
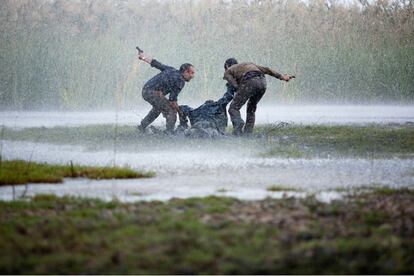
(229, 62)
(185, 67)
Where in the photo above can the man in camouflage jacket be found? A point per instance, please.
(249, 80)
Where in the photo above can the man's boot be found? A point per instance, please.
(237, 129)
(141, 128)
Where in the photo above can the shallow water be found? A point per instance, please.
(239, 172)
(191, 168)
(266, 114)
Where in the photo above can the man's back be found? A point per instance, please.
(237, 72)
(168, 81)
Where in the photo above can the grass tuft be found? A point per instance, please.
(15, 172)
(279, 188)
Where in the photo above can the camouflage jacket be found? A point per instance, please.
(234, 75)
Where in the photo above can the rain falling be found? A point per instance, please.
(249, 100)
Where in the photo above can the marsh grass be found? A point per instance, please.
(291, 141)
(383, 190)
(280, 188)
(84, 60)
(14, 172)
(362, 234)
(372, 141)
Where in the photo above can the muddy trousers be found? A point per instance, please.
(250, 91)
(160, 104)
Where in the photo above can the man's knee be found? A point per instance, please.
(173, 112)
(171, 116)
(234, 110)
(251, 108)
(171, 119)
(169, 112)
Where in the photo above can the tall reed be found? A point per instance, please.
(81, 55)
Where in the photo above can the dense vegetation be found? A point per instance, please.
(368, 233)
(58, 54)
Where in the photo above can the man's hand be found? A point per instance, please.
(142, 57)
(174, 105)
(286, 77)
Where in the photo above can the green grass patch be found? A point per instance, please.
(14, 172)
(377, 188)
(280, 188)
(372, 141)
(390, 191)
(363, 234)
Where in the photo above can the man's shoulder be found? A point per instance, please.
(170, 69)
(177, 75)
(172, 73)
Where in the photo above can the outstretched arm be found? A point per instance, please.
(273, 73)
(153, 62)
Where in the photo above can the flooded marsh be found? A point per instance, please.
(324, 184)
(307, 157)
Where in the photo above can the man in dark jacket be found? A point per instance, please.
(250, 82)
(170, 81)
